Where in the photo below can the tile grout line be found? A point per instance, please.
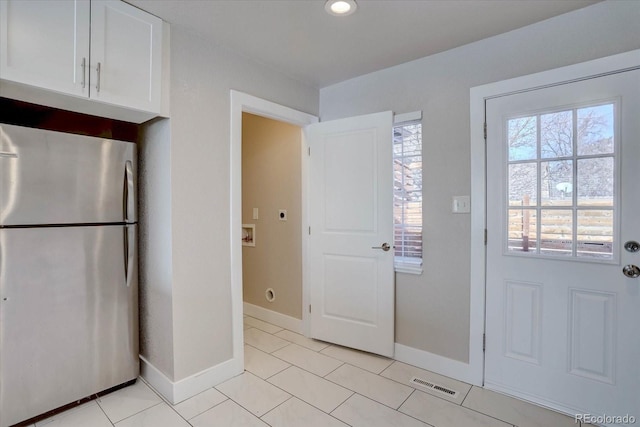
(291, 396)
(133, 415)
(411, 416)
(333, 370)
(370, 398)
(268, 352)
(172, 406)
(247, 409)
(105, 414)
(317, 352)
(455, 404)
(405, 400)
(466, 396)
(309, 403)
(489, 416)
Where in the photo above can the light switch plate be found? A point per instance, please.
(255, 213)
(461, 204)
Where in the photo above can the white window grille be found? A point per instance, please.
(407, 196)
(561, 184)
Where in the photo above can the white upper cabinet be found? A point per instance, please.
(44, 44)
(104, 50)
(126, 55)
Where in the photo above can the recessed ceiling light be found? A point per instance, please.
(340, 7)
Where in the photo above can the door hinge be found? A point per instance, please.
(309, 151)
(309, 308)
(484, 127)
(484, 342)
(485, 236)
(309, 230)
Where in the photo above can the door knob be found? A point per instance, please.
(385, 247)
(631, 271)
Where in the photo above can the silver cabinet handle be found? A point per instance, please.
(98, 83)
(84, 72)
(385, 247)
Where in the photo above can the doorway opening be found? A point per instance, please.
(244, 103)
(272, 221)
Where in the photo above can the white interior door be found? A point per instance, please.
(562, 199)
(350, 275)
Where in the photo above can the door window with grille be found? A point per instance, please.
(562, 179)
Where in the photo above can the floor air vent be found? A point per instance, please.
(435, 387)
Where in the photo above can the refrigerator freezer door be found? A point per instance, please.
(51, 177)
(68, 315)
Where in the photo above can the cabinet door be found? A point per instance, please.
(45, 43)
(126, 55)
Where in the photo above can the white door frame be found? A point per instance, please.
(479, 95)
(244, 103)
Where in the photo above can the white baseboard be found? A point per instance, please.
(273, 317)
(177, 391)
(435, 363)
(156, 379)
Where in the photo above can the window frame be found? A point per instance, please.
(575, 206)
(403, 264)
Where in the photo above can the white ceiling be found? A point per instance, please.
(299, 38)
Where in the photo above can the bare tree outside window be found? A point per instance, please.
(561, 182)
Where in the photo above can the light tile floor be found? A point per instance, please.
(293, 381)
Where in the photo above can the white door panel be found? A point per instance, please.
(561, 318)
(351, 282)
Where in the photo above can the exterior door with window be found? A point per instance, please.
(563, 197)
(350, 272)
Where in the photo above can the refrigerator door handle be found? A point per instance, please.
(129, 253)
(129, 193)
(126, 254)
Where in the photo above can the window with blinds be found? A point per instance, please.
(407, 196)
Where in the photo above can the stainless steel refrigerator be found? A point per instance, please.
(68, 269)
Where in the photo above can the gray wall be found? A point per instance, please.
(154, 235)
(190, 329)
(432, 310)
